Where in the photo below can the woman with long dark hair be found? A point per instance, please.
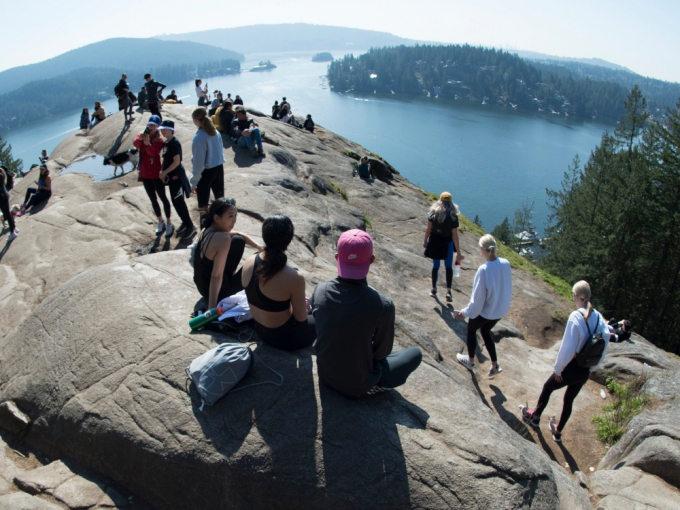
(582, 322)
(276, 291)
(43, 192)
(218, 253)
(207, 161)
(441, 240)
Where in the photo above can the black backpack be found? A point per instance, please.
(118, 90)
(10, 180)
(592, 350)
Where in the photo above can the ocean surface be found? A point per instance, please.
(491, 158)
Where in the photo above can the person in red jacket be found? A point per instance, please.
(150, 145)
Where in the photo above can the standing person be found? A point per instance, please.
(4, 204)
(122, 91)
(85, 119)
(489, 302)
(567, 372)
(441, 240)
(276, 291)
(43, 192)
(153, 88)
(174, 175)
(99, 114)
(150, 144)
(207, 161)
(247, 133)
(201, 93)
(218, 253)
(355, 326)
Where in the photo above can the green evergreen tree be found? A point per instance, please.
(503, 232)
(15, 165)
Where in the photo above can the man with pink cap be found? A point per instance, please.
(355, 326)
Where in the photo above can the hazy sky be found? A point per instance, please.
(641, 35)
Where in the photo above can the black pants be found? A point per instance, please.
(34, 196)
(4, 207)
(573, 377)
(153, 108)
(291, 336)
(397, 366)
(155, 188)
(485, 325)
(211, 179)
(177, 196)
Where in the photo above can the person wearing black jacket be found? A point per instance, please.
(122, 91)
(247, 133)
(153, 87)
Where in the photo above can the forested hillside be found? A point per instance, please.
(79, 89)
(493, 76)
(615, 222)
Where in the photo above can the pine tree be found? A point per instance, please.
(15, 165)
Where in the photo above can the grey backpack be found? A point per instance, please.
(217, 371)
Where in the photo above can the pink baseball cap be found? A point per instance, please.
(355, 249)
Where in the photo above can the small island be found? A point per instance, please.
(324, 56)
(264, 65)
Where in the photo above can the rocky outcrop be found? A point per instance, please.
(96, 342)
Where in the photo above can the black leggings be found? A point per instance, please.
(485, 325)
(177, 197)
(7, 214)
(573, 377)
(211, 179)
(291, 336)
(397, 366)
(153, 188)
(38, 195)
(153, 108)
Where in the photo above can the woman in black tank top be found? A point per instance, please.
(276, 291)
(218, 253)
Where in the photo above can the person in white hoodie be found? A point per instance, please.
(582, 322)
(489, 302)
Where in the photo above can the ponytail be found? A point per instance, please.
(277, 233)
(206, 124)
(218, 207)
(582, 290)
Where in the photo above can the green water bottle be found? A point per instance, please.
(201, 320)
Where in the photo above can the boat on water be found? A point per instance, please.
(527, 235)
(264, 65)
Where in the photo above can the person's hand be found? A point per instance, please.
(309, 305)
(146, 139)
(459, 257)
(558, 378)
(458, 315)
(193, 191)
(424, 244)
(245, 132)
(162, 176)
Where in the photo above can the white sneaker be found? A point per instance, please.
(160, 227)
(169, 230)
(13, 235)
(464, 360)
(494, 370)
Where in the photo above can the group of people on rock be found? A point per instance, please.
(281, 111)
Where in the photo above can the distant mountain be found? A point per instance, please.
(551, 59)
(291, 37)
(120, 53)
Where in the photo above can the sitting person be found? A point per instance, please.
(85, 119)
(620, 330)
(285, 114)
(355, 326)
(34, 196)
(364, 169)
(309, 124)
(172, 98)
(218, 253)
(142, 100)
(246, 133)
(238, 100)
(223, 117)
(275, 110)
(276, 291)
(216, 103)
(99, 113)
(43, 156)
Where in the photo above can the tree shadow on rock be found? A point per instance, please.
(266, 435)
(363, 460)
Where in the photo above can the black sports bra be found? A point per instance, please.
(257, 298)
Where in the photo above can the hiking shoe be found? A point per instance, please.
(557, 435)
(528, 416)
(377, 389)
(160, 227)
(464, 360)
(189, 232)
(433, 293)
(181, 229)
(13, 235)
(494, 370)
(260, 152)
(169, 229)
(449, 297)
(253, 152)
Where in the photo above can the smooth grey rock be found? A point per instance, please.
(582, 479)
(651, 442)
(607, 482)
(663, 384)
(417, 336)
(23, 501)
(4, 486)
(12, 418)
(45, 478)
(629, 488)
(503, 329)
(78, 493)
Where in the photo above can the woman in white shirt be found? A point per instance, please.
(567, 370)
(489, 302)
(201, 93)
